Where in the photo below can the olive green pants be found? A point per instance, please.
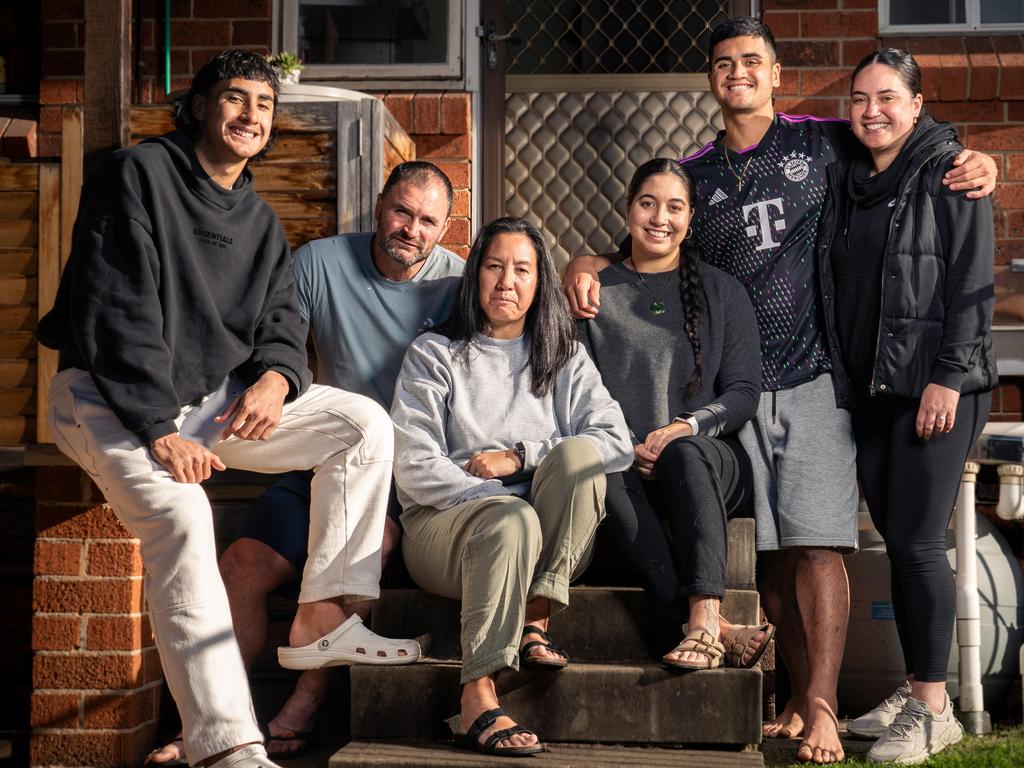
(497, 553)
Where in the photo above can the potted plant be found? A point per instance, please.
(288, 66)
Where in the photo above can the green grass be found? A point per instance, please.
(1002, 749)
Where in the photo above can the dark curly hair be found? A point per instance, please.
(551, 329)
(233, 62)
(689, 258)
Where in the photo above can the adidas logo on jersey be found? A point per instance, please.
(718, 197)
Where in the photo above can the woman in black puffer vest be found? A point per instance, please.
(907, 286)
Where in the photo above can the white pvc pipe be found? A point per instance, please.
(968, 608)
(1011, 503)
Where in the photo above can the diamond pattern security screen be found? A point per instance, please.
(593, 89)
(569, 157)
(611, 37)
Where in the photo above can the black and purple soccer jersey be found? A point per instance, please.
(763, 232)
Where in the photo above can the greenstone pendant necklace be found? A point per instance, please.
(657, 306)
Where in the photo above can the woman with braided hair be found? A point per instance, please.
(676, 343)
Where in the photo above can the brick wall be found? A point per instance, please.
(439, 123)
(199, 29)
(975, 82)
(96, 676)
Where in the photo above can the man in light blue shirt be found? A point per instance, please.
(365, 296)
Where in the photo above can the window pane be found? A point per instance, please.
(927, 12)
(1002, 11)
(373, 31)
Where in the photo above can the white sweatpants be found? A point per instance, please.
(346, 438)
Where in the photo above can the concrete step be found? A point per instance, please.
(600, 625)
(619, 704)
(391, 755)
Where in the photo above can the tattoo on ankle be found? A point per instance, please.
(710, 607)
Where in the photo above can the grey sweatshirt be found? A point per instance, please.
(646, 360)
(446, 410)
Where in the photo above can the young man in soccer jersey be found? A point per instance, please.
(760, 186)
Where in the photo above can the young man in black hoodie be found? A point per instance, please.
(182, 352)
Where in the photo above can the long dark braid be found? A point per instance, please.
(689, 294)
(689, 259)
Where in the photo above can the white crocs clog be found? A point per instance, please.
(351, 643)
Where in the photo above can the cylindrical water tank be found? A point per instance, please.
(873, 664)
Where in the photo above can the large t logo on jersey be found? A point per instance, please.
(763, 223)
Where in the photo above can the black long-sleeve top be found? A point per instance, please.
(174, 282)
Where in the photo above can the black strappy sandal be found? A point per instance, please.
(471, 739)
(526, 661)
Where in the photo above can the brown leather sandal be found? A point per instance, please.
(740, 641)
(700, 642)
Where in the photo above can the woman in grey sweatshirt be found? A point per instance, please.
(503, 436)
(677, 344)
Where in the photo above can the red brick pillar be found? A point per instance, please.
(96, 674)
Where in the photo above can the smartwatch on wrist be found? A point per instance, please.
(520, 451)
(688, 418)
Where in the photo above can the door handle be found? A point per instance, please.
(491, 36)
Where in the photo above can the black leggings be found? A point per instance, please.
(700, 482)
(911, 485)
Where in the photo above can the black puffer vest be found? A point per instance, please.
(937, 284)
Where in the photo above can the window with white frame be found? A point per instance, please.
(375, 39)
(950, 15)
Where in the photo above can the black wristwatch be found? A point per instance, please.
(520, 450)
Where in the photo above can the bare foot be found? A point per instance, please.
(289, 730)
(170, 752)
(788, 725)
(478, 697)
(821, 742)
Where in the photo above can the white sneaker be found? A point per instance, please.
(252, 756)
(873, 724)
(916, 734)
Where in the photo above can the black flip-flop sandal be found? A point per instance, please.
(303, 736)
(471, 739)
(526, 661)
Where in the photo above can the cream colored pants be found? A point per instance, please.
(346, 438)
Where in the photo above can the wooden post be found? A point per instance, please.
(56, 223)
(72, 154)
(49, 277)
(107, 76)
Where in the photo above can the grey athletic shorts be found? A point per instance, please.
(805, 475)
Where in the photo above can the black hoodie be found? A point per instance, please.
(173, 283)
(935, 297)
